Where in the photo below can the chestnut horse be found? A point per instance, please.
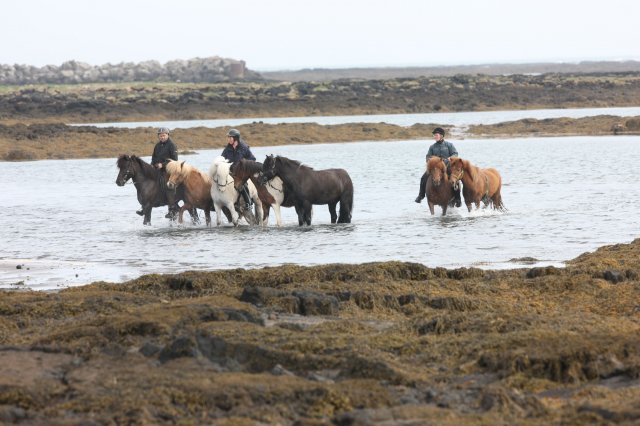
(477, 184)
(197, 187)
(272, 193)
(439, 191)
(149, 183)
(310, 187)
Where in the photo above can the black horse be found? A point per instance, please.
(311, 186)
(149, 183)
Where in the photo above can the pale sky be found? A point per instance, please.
(295, 34)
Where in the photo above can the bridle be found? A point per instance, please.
(128, 174)
(219, 185)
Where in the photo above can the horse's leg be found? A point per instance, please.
(444, 208)
(332, 211)
(207, 216)
(259, 212)
(218, 209)
(497, 202)
(300, 212)
(307, 212)
(181, 212)
(431, 209)
(266, 207)
(234, 214)
(147, 214)
(276, 209)
(195, 219)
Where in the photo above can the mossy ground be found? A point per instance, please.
(333, 344)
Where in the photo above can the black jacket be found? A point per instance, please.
(163, 152)
(242, 151)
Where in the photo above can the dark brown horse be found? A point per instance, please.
(272, 193)
(310, 187)
(439, 191)
(477, 184)
(149, 183)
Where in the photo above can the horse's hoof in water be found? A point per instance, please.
(140, 212)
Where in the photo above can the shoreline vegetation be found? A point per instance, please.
(21, 142)
(31, 116)
(375, 343)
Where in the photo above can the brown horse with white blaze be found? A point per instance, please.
(439, 191)
(477, 184)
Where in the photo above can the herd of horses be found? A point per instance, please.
(282, 182)
(279, 182)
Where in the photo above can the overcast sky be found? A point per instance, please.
(295, 34)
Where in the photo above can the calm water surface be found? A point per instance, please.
(67, 223)
(461, 119)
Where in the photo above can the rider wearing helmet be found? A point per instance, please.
(236, 150)
(444, 150)
(164, 151)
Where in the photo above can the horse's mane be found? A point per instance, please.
(435, 162)
(147, 169)
(249, 166)
(295, 162)
(184, 169)
(472, 170)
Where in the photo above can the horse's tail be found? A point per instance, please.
(346, 201)
(497, 202)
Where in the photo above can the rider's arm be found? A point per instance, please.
(452, 150)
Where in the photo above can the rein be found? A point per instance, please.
(221, 185)
(276, 189)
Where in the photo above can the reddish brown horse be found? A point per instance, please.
(439, 191)
(197, 187)
(478, 184)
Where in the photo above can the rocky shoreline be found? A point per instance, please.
(379, 343)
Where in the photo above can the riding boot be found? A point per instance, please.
(423, 188)
(245, 195)
(140, 212)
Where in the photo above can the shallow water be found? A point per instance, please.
(68, 223)
(461, 119)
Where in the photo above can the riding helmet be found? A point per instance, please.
(234, 133)
(438, 130)
(164, 130)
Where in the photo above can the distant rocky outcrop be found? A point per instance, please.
(198, 70)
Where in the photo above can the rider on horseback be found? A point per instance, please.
(164, 151)
(444, 150)
(236, 150)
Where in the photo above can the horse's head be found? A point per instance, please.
(268, 169)
(175, 173)
(437, 169)
(457, 169)
(126, 169)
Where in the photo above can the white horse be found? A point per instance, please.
(224, 194)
